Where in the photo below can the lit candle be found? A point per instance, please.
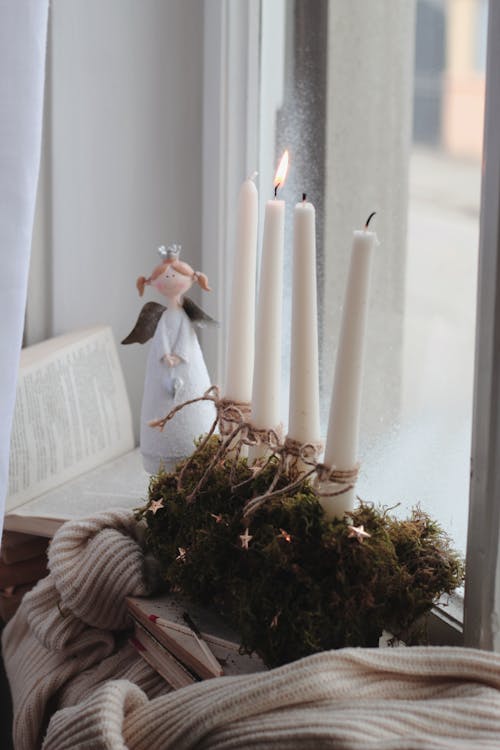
(341, 451)
(267, 367)
(303, 415)
(241, 324)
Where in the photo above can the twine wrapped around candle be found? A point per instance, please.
(345, 478)
(295, 452)
(290, 451)
(234, 428)
(334, 488)
(231, 413)
(236, 431)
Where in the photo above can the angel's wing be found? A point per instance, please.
(146, 324)
(196, 315)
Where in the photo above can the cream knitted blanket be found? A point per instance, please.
(67, 658)
(69, 633)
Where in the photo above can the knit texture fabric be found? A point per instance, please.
(383, 699)
(69, 633)
(69, 662)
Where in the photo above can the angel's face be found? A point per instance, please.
(171, 283)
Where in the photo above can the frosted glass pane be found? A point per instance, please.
(382, 110)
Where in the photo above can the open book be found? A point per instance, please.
(185, 642)
(72, 446)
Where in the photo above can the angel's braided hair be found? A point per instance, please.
(178, 265)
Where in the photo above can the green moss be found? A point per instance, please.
(303, 585)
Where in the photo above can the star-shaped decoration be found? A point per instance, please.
(274, 621)
(156, 505)
(358, 532)
(182, 554)
(285, 535)
(217, 517)
(245, 539)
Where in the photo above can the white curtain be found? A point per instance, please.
(23, 33)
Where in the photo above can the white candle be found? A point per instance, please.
(267, 367)
(241, 324)
(303, 415)
(341, 451)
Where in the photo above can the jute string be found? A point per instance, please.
(288, 454)
(232, 418)
(231, 413)
(296, 451)
(235, 429)
(345, 477)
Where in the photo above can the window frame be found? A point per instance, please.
(482, 586)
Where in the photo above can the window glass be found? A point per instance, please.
(417, 397)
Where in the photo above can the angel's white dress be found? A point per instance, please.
(165, 387)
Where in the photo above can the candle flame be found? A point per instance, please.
(280, 176)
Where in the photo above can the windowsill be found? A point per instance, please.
(445, 625)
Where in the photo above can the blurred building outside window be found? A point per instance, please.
(416, 158)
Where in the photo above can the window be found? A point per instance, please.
(396, 122)
(382, 109)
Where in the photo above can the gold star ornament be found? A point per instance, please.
(155, 506)
(275, 620)
(245, 539)
(358, 532)
(181, 557)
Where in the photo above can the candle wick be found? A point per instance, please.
(370, 218)
(276, 189)
(304, 196)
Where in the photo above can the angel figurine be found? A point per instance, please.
(176, 371)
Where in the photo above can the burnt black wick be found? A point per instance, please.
(370, 218)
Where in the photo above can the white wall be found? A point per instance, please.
(123, 161)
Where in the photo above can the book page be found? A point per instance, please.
(121, 483)
(72, 412)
